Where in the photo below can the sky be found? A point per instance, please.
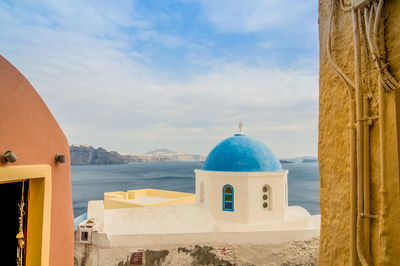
(138, 75)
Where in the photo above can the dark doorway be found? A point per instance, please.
(10, 198)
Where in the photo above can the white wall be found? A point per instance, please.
(247, 195)
(278, 203)
(159, 220)
(233, 238)
(213, 186)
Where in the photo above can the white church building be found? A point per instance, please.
(242, 181)
(240, 188)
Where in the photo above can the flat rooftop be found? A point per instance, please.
(145, 200)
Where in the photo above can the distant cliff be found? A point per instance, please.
(285, 161)
(164, 155)
(301, 159)
(310, 160)
(82, 154)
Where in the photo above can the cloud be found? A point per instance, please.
(258, 15)
(266, 44)
(120, 111)
(82, 57)
(169, 41)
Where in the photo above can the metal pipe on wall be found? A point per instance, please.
(360, 146)
(367, 122)
(366, 212)
(341, 74)
(353, 185)
(383, 192)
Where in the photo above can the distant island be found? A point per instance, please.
(310, 160)
(285, 161)
(85, 154)
(301, 159)
(160, 151)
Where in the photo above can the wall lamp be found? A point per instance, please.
(9, 157)
(60, 158)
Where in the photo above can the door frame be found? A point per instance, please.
(39, 208)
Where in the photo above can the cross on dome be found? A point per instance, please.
(240, 127)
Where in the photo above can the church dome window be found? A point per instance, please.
(266, 197)
(227, 198)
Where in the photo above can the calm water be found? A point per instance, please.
(89, 182)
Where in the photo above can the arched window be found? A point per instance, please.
(267, 197)
(227, 198)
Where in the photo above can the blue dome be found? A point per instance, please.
(241, 153)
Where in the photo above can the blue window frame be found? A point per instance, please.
(227, 198)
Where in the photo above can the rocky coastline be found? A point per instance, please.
(85, 154)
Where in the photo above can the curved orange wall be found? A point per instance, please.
(29, 129)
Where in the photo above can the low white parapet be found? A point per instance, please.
(212, 238)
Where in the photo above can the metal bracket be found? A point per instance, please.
(368, 215)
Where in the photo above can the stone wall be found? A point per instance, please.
(289, 253)
(334, 140)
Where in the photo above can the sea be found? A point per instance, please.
(89, 182)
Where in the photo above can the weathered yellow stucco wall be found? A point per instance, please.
(334, 140)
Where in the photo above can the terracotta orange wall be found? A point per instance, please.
(29, 129)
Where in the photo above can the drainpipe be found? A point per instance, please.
(366, 214)
(383, 191)
(353, 185)
(360, 154)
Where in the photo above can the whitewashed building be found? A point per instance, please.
(242, 181)
(241, 197)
